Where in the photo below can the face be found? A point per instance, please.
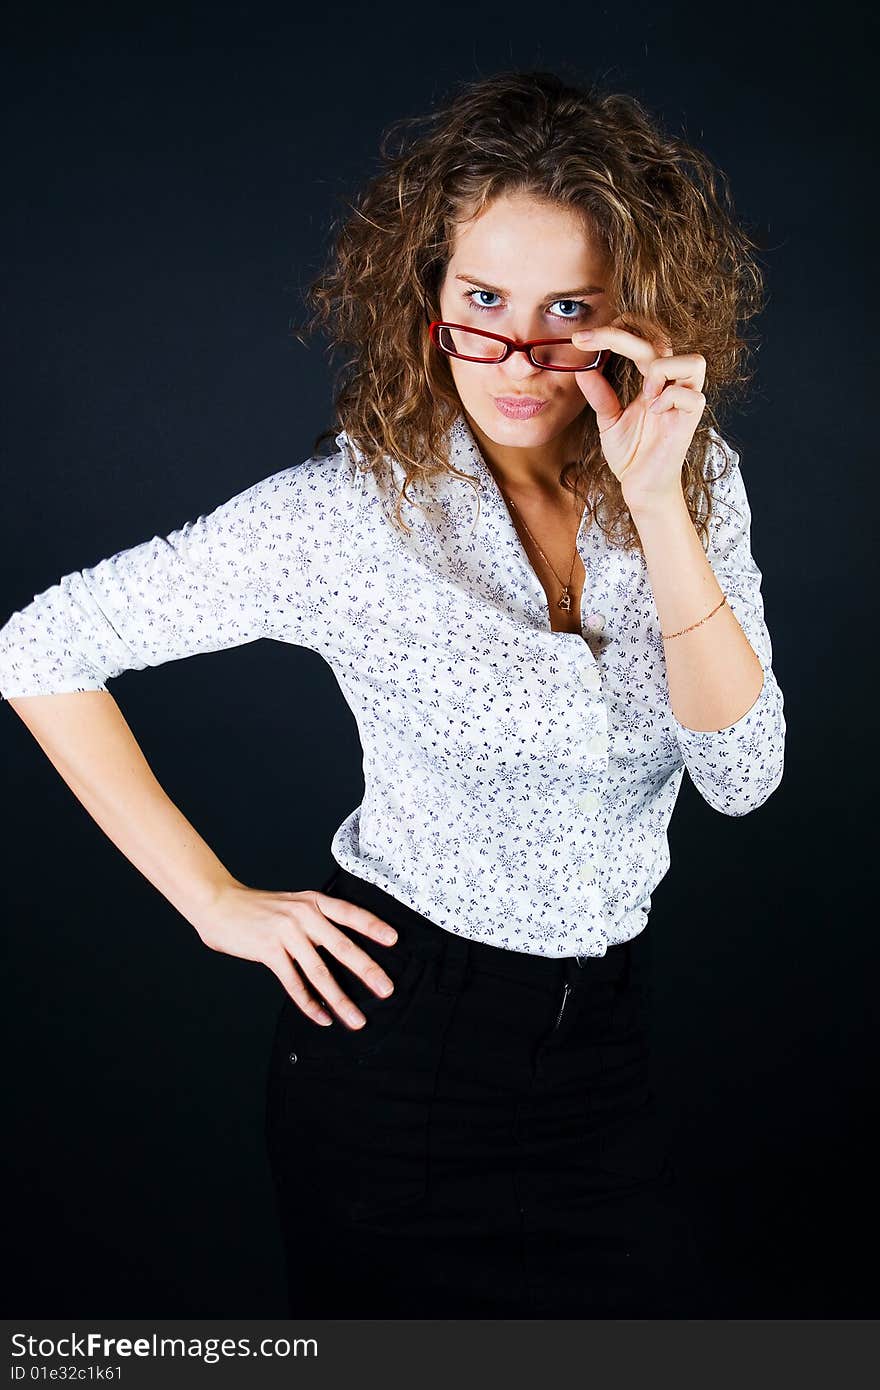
(525, 269)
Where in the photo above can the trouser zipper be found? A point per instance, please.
(565, 993)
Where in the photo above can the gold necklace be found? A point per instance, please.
(565, 600)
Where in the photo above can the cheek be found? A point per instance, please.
(567, 396)
(469, 378)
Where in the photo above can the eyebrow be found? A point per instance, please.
(553, 294)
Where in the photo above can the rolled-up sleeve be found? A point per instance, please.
(259, 565)
(735, 769)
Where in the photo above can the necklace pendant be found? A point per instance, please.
(565, 601)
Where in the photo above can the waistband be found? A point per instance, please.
(425, 937)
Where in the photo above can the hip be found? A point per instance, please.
(483, 1023)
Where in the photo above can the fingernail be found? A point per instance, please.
(324, 1018)
(354, 1017)
(389, 936)
(583, 335)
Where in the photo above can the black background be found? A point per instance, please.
(170, 174)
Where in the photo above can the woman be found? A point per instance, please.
(527, 561)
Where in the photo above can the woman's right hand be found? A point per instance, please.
(283, 929)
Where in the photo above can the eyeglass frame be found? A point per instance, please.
(511, 346)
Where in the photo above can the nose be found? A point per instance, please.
(519, 367)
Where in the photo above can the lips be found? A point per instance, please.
(519, 407)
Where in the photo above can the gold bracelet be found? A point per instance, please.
(666, 635)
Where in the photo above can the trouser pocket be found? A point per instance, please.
(351, 1139)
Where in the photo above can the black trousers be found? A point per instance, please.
(487, 1145)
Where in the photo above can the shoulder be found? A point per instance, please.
(722, 459)
(731, 516)
(317, 491)
(723, 473)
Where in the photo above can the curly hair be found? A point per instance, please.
(660, 209)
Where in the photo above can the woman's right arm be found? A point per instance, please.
(89, 742)
(87, 739)
(218, 582)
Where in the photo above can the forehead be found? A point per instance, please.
(520, 239)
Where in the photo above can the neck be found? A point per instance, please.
(523, 470)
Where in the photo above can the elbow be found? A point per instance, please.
(746, 775)
(740, 799)
(743, 807)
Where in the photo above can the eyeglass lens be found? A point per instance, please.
(472, 344)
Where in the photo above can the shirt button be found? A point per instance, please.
(585, 874)
(590, 676)
(589, 803)
(596, 622)
(597, 744)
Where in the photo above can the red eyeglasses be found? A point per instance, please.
(475, 345)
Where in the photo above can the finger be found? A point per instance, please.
(318, 974)
(282, 966)
(350, 954)
(646, 328)
(679, 398)
(659, 339)
(687, 369)
(626, 344)
(360, 918)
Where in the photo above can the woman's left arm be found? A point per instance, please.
(726, 704)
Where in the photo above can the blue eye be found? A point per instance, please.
(578, 305)
(491, 293)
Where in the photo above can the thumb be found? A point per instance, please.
(601, 395)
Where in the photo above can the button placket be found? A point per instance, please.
(588, 676)
(588, 672)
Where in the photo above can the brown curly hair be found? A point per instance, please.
(660, 209)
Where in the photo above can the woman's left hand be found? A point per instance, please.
(645, 444)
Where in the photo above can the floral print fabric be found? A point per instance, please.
(518, 782)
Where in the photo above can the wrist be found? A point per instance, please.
(663, 509)
(199, 899)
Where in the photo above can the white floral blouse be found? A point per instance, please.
(518, 781)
